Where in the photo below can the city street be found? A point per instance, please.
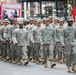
(32, 69)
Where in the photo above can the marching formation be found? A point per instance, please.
(38, 40)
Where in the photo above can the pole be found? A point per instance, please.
(66, 14)
(40, 7)
(56, 8)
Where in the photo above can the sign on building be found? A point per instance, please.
(11, 10)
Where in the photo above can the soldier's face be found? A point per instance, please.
(35, 23)
(31, 22)
(15, 22)
(6, 23)
(61, 23)
(51, 20)
(47, 23)
(25, 22)
(70, 23)
(20, 26)
(55, 21)
(38, 24)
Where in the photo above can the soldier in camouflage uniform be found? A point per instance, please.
(47, 35)
(19, 38)
(4, 40)
(12, 46)
(54, 24)
(70, 40)
(59, 40)
(36, 41)
(30, 45)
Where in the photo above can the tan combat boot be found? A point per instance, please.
(45, 65)
(53, 64)
(26, 62)
(68, 70)
(60, 60)
(7, 58)
(14, 62)
(37, 62)
(64, 59)
(73, 68)
(40, 60)
(19, 63)
(10, 61)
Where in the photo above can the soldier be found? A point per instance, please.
(36, 41)
(47, 35)
(9, 43)
(10, 33)
(4, 39)
(50, 19)
(54, 24)
(69, 40)
(19, 38)
(0, 42)
(30, 45)
(59, 39)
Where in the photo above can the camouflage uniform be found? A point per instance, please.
(4, 38)
(59, 39)
(47, 35)
(30, 45)
(19, 39)
(36, 39)
(12, 46)
(69, 39)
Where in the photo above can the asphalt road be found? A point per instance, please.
(7, 68)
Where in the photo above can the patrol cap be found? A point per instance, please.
(61, 20)
(11, 19)
(20, 22)
(50, 17)
(58, 18)
(39, 20)
(47, 19)
(70, 18)
(44, 19)
(8, 21)
(5, 20)
(55, 18)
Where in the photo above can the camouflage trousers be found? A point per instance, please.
(59, 51)
(69, 54)
(19, 53)
(1, 52)
(9, 50)
(30, 50)
(4, 49)
(13, 51)
(24, 52)
(41, 52)
(46, 48)
(36, 51)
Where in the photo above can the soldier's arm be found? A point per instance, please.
(41, 37)
(62, 37)
(1, 33)
(14, 39)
